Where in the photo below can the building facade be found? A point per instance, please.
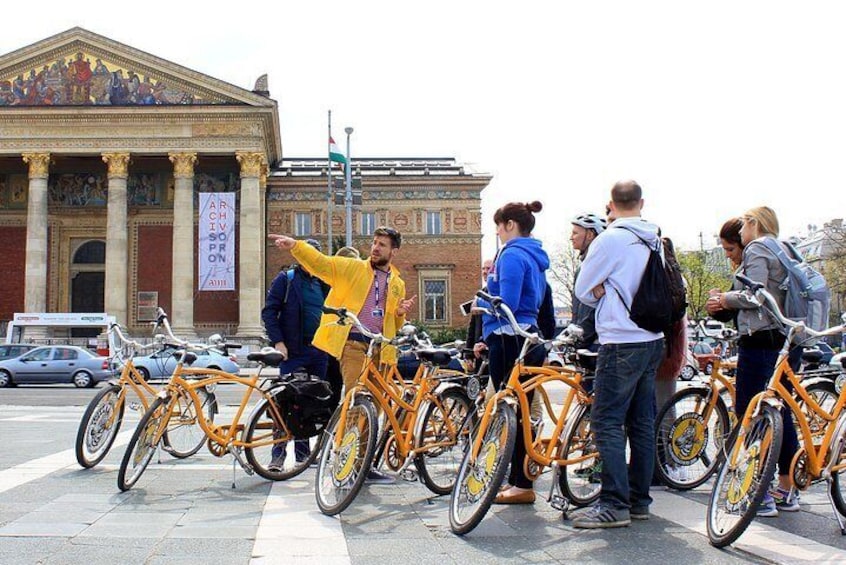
(434, 203)
(104, 150)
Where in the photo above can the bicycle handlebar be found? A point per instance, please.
(162, 320)
(343, 315)
(498, 305)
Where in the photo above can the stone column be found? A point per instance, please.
(182, 286)
(35, 290)
(117, 252)
(251, 245)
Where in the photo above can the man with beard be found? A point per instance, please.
(371, 288)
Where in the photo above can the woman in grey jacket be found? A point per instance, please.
(761, 338)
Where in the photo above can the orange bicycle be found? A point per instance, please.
(750, 459)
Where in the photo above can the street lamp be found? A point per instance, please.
(348, 196)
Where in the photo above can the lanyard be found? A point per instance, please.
(376, 283)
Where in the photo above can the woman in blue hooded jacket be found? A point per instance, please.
(519, 279)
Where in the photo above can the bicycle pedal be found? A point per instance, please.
(559, 503)
(409, 475)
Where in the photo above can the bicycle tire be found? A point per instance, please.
(95, 435)
(824, 394)
(837, 485)
(744, 477)
(580, 483)
(184, 437)
(438, 467)
(687, 447)
(140, 450)
(260, 430)
(476, 485)
(341, 473)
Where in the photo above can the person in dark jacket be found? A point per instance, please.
(474, 327)
(585, 229)
(291, 316)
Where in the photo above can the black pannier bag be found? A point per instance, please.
(305, 404)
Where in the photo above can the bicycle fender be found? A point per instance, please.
(113, 382)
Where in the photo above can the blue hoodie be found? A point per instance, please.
(519, 279)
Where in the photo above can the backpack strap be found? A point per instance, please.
(776, 249)
(290, 275)
(646, 243)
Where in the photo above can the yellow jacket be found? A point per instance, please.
(350, 280)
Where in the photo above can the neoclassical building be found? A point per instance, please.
(104, 150)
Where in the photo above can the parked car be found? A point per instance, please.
(161, 364)
(55, 364)
(11, 350)
(690, 368)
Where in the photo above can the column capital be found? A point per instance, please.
(118, 164)
(265, 171)
(251, 163)
(183, 164)
(39, 164)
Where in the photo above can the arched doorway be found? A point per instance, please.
(88, 282)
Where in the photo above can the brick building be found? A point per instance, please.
(434, 203)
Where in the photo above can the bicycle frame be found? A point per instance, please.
(515, 392)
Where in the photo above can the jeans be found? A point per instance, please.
(624, 405)
(754, 369)
(502, 353)
(314, 361)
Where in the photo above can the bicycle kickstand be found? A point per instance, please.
(841, 520)
(555, 499)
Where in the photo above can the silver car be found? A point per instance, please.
(161, 364)
(55, 364)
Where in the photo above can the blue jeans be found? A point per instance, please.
(754, 369)
(624, 405)
(314, 361)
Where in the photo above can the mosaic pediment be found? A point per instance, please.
(80, 68)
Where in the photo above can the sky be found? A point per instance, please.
(713, 107)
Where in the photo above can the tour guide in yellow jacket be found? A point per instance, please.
(355, 284)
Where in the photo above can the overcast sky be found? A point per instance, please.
(713, 107)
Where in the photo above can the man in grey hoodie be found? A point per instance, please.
(628, 358)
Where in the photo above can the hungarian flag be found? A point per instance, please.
(335, 153)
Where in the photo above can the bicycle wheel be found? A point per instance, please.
(837, 485)
(276, 461)
(824, 394)
(99, 426)
(687, 445)
(445, 426)
(744, 477)
(580, 483)
(479, 479)
(341, 470)
(184, 437)
(142, 446)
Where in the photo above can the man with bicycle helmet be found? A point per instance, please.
(585, 229)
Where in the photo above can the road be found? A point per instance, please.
(187, 511)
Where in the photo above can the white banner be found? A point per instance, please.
(217, 241)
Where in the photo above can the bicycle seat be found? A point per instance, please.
(438, 357)
(267, 356)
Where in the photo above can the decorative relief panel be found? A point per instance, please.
(74, 80)
(13, 191)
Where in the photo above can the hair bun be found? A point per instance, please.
(535, 206)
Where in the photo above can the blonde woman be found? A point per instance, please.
(761, 338)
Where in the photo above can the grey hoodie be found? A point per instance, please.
(760, 265)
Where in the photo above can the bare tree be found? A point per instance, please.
(564, 263)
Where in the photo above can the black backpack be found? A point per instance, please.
(305, 403)
(660, 298)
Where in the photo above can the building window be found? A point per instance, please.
(303, 224)
(434, 299)
(433, 223)
(368, 223)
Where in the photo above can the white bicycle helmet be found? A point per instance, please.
(590, 222)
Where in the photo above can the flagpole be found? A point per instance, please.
(331, 207)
